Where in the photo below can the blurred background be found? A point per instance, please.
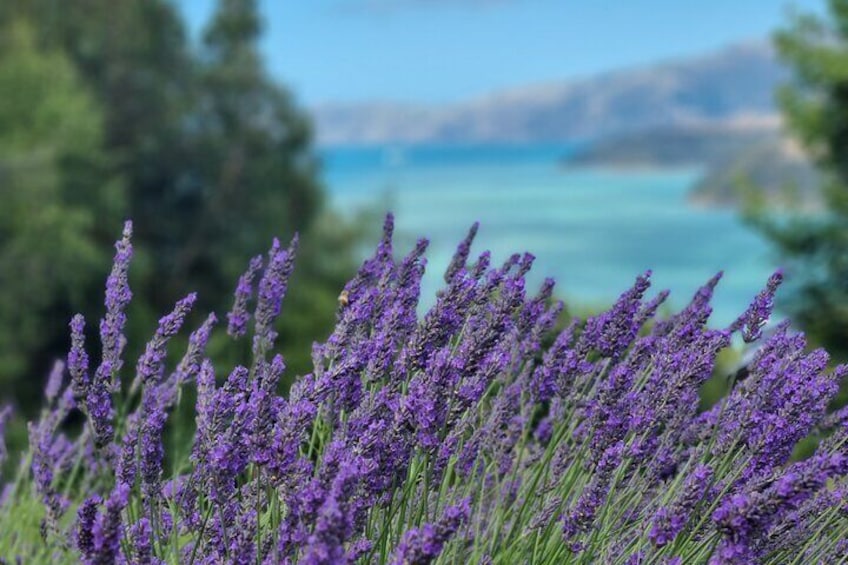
(606, 138)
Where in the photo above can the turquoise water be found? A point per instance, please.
(593, 230)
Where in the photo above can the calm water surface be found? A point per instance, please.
(593, 230)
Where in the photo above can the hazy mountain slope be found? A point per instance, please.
(674, 146)
(731, 84)
(772, 170)
(741, 163)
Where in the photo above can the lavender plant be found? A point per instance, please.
(477, 433)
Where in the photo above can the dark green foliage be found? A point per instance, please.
(815, 106)
(208, 155)
(57, 192)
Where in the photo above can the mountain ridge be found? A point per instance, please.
(732, 84)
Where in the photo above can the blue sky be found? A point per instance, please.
(446, 50)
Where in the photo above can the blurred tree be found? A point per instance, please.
(255, 175)
(134, 56)
(57, 192)
(215, 156)
(815, 107)
(253, 172)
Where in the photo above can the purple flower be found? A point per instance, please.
(108, 528)
(462, 251)
(272, 289)
(472, 432)
(96, 394)
(118, 296)
(560, 365)
(150, 364)
(755, 317)
(694, 316)
(48, 451)
(612, 332)
(745, 517)
(141, 536)
(126, 467)
(670, 520)
(637, 558)
(421, 546)
(54, 381)
(580, 517)
(150, 448)
(78, 358)
(98, 405)
(264, 408)
(190, 363)
(238, 316)
(86, 516)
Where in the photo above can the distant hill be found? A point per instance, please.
(773, 169)
(715, 111)
(736, 83)
(742, 162)
(674, 146)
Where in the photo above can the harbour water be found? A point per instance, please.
(593, 230)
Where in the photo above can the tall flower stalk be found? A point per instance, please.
(483, 431)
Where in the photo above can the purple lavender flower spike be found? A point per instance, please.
(420, 546)
(650, 309)
(460, 258)
(239, 315)
(54, 381)
(612, 332)
(373, 267)
(396, 319)
(86, 516)
(197, 341)
(151, 450)
(97, 393)
(637, 558)
(264, 407)
(384, 249)
(108, 529)
(756, 316)
(358, 550)
(126, 466)
(118, 296)
(581, 516)
(670, 520)
(98, 405)
(696, 313)
(744, 517)
(559, 365)
(42, 467)
(78, 358)
(141, 535)
(479, 268)
(272, 289)
(150, 364)
(242, 549)
(589, 442)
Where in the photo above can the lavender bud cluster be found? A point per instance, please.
(483, 431)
